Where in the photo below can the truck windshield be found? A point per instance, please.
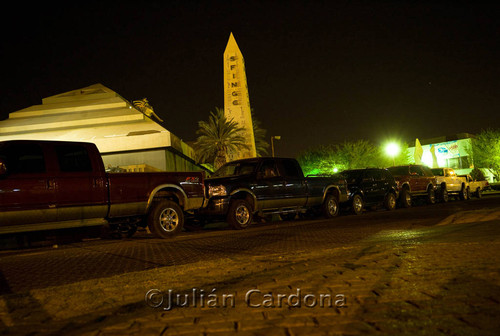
(235, 169)
(438, 172)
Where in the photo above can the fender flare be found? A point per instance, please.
(247, 191)
(407, 186)
(328, 189)
(164, 186)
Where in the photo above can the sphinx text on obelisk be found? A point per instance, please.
(236, 98)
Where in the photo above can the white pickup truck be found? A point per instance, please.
(449, 183)
(476, 187)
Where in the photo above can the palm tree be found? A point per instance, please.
(217, 137)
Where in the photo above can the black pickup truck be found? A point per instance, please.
(263, 186)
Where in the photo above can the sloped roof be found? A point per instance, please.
(92, 114)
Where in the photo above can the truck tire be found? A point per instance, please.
(405, 198)
(479, 193)
(444, 195)
(431, 196)
(463, 194)
(165, 219)
(467, 195)
(330, 206)
(390, 201)
(240, 214)
(357, 205)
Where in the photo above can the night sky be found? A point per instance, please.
(319, 72)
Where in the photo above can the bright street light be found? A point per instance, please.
(392, 149)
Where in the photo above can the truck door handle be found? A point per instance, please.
(51, 184)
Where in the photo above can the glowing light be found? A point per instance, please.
(392, 149)
(427, 158)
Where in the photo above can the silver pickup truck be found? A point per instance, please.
(449, 183)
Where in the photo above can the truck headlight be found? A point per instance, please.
(217, 190)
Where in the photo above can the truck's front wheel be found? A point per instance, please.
(240, 214)
(431, 196)
(166, 219)
(405, 198)
(444, 195)
(463, 194)
(357, 204)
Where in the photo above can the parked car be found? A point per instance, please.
(47, 185)
(476, 188)
(449, 183)
(370, 187)
(265, 186)
(414, 181)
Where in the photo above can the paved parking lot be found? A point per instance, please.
(426, 270)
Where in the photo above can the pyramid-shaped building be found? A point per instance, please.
(125, 136)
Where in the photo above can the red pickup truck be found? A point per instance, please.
(58, 184)
(414, 181)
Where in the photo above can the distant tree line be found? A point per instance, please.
(485, 151)
(219, 135)
(328, 159)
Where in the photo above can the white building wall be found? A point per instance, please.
(99, 115)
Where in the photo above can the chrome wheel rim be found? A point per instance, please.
(242, 215)
(392, 201)
(407, 198)
(332, 207)
(169, 220)
(358, 204)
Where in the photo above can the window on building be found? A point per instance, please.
(461, 162)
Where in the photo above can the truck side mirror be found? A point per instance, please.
(3, 167)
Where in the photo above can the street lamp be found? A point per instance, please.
(277, 137)
(392, 149)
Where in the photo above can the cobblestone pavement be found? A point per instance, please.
(423, 271)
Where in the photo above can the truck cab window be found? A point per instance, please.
(24, 159)
(268, 169)
(416, 170)
(290, 169)
(376, 175)
(73, 158)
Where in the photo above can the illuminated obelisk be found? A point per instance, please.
(236, 99)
